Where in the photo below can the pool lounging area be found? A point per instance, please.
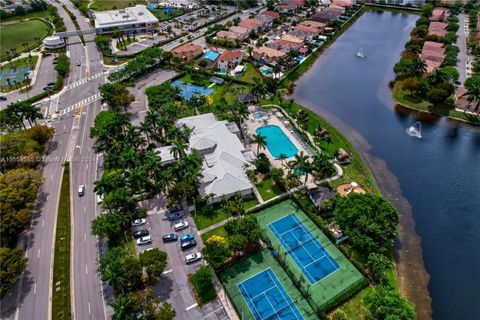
(188, 90)
(277, 141)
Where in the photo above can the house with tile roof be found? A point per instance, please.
(284, 45)
(438, 29)
(326, 15)
(224, 157)
(267, 55)
(433, 53)
(229, 59)
(310, 23)
(229, 36)
(243, 32)
(292, 38)
(440, 14)
(253, 24)
(187, 51)
(272, 14)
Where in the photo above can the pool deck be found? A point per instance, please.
(271, 119)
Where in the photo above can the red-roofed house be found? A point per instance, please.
(305, 32)
(187, 51)
(440, 14)
(252, 24)
(437, 29)
(228, 36)
(272, 14)
(229, 59)
(310, 23)
(243, 32)
(344, 3)
(290, 6)
(267, 54)
(284, 45)
(326, 15)
(433, 53)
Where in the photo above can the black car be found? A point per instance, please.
(50, 84)
(170, 237)
(188, 244)
(3, 98)
(140, 233)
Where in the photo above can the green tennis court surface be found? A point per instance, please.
(260, 289)
(332, 272)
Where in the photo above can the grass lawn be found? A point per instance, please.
(126, 41)
(250, 74)
(268, 189)
(14, 33)
(220, 231)
(102, 5)
(202, 221)
(355, 308)
(407, 100)
(61, 308)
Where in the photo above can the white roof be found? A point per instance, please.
(239, 68)
(223, 167)
(127, 16)
(165, 154)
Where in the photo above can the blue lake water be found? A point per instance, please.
(435, 178)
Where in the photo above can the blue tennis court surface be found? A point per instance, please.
(188, 90)
(308, 253)
(267, 299)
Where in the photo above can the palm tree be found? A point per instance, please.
(302, 162)
(260, 141)
(125, 308)
(31, 113)
(179, 149)
(438, 76)
(472, 85)
(282, 157)
(419, 66)
(259, 88)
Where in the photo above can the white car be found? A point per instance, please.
(181, 225)
(193, 257)
(81, 190)
(138, 222)
(144, 240)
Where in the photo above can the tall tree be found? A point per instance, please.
(125, 308)
(260, 141)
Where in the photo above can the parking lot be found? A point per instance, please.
(174, 286)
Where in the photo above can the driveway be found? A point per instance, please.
(173, 286)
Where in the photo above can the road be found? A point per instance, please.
(462, 45)
(174, 286)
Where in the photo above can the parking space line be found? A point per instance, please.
(192, 306)
(168, 271)
(213, 312)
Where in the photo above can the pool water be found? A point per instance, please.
(277, 141)
(221, 72)
(211, 55)
(258, 115)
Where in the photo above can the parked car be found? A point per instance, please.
(50, 84)
(144, 240)
(187, 237)
(81, 190)
(174, 215)
(140, 233)
(181, 225)
(138, 222)
(78, 64)
(188, 244)
(170, 237)
(3, 98)
(193, 257)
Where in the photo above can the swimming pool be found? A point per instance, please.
(277, 141)
(258, 115)
(211, 55)
(187, 90)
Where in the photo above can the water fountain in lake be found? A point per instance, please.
(415, 130)
(360, 54)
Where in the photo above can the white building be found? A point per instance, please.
(136, 19)
(224, 156)
(53, 42)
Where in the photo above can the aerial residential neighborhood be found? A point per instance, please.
(278, 159)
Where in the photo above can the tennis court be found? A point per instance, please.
(266, 297)
(188, 90)
(307, 252)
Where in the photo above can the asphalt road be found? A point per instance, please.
(462, 45)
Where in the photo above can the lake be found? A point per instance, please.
(435, 180)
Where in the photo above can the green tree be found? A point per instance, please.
(108, 226)
(385, 303)
(125, 308)
(369, 220)
(12, 264)
(216, 251)
(378, 266)
(154, 261)
(472, 85)
(437, 95)
(302, 162)
(237, 242)
(116, 96)
(121, 270)
(339, 315)
(411, 84)
(260, 141)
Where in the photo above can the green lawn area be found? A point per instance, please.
(206, 293)
(220, 231)
(102, 5)
(250, 74)
(355, 308)
(202, 221)
(406, 99)
(61, 308)
(14, 33)
(268, 189)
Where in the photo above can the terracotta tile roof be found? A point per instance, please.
(292, 38)
(271, 14)
(284, 45)
(187, 47)
(440, 14)
(251, 23)
(230, 55)
(238, 30)
(308, 29)
(433, 53)
(269, 52)
(315, 24)
(228, 35)
(438, 29)
(343, 3)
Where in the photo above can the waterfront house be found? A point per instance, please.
(433, 53)
(326, 15)
(440, 14)
(284, 45)
(438, 29)
(267, 55)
